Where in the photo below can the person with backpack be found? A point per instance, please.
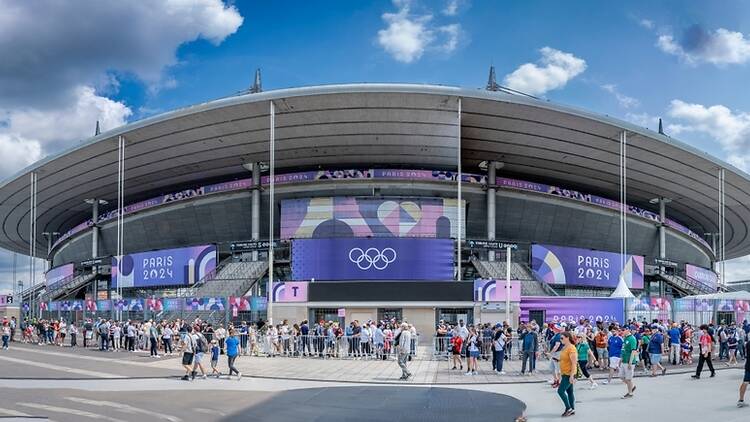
(499, 346)
(103, 331)
(201, 348)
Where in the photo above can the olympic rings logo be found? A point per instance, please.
(372, 258)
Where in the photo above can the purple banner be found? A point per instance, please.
(167, 267)
(57, 275)
(290, 291)
(568, 309)
(701, 277)
(369, 217)
(435, 175)
(584, 267)
(495, 290)
(372, 259)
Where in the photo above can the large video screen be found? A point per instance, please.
(369, 217)
(166, 267)
(372, 259)
(55, 276)
(701, 276)
(585, 267)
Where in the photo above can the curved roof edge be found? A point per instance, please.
(378, 88)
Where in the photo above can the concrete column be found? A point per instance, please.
(95, 228)
(491, 196)
(255, 213)
(662, 229)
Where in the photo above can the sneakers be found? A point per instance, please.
(205, 376)
(593, 386)
(742, 404)
(239, 376)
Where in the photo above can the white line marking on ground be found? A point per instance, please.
(209, 411)
(69, 411)
(94, 358)
(61, 368)
(123, 408)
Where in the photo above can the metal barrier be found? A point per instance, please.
(328, 347)
(442, 348)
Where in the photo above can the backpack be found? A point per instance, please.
(200, 345)
(103, 329)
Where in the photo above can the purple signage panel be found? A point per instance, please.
(573, 309)
(205, 303)
(372, 259)
(290, 291)
(707, 278)
(167, 267)
(495, 290)
(54, 276)
(585, 267)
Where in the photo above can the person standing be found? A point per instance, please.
(13, 323)
(403, 346)
(629, 360)
(232, 345)
(568, 366)
(674, 344)
(746, 379)
(529, 344)
(499, 345)
(153, 338)
(73, 330)
(706, 350)
(6, 334)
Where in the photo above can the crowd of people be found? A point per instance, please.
(573, 349)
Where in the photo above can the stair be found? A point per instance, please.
(67, 286)
(683, 285)
(497, 270)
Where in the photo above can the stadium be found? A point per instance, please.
(376, 201)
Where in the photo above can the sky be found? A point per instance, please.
(66, 65)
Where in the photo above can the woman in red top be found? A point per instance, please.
(706, 349)
(456, 344)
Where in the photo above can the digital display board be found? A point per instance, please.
(372, 259)
(585, 267)
(166, 267)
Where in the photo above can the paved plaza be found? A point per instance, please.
(63, 384)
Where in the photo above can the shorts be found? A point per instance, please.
(614, 362)
(655, 358)
(555, 365)
(187, 358)
(627, 373)
(456, 352)
(474, 354)
(198, 357)
(602, 352)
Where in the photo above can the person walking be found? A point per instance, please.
(746, 378)
(629, 360)
(674, 344)
(585, 355)
(6, 334)
(187, 344)
(568, 366)
(706, 350)
(403, 346)
(232, 350)
(655, 350)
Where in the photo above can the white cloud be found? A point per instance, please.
(698, 45)
(646, 23)
(737, 269)
(61, 59)
(554, 71)
(57, 46)
(730, 129)
(451, 8)
(408, 36)
(624, 100)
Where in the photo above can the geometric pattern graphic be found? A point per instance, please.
(369, 217)
(559, 265)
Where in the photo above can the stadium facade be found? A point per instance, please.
(389, 200)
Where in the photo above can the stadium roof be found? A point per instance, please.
(379, 125)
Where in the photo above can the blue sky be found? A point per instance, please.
(685, 61)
